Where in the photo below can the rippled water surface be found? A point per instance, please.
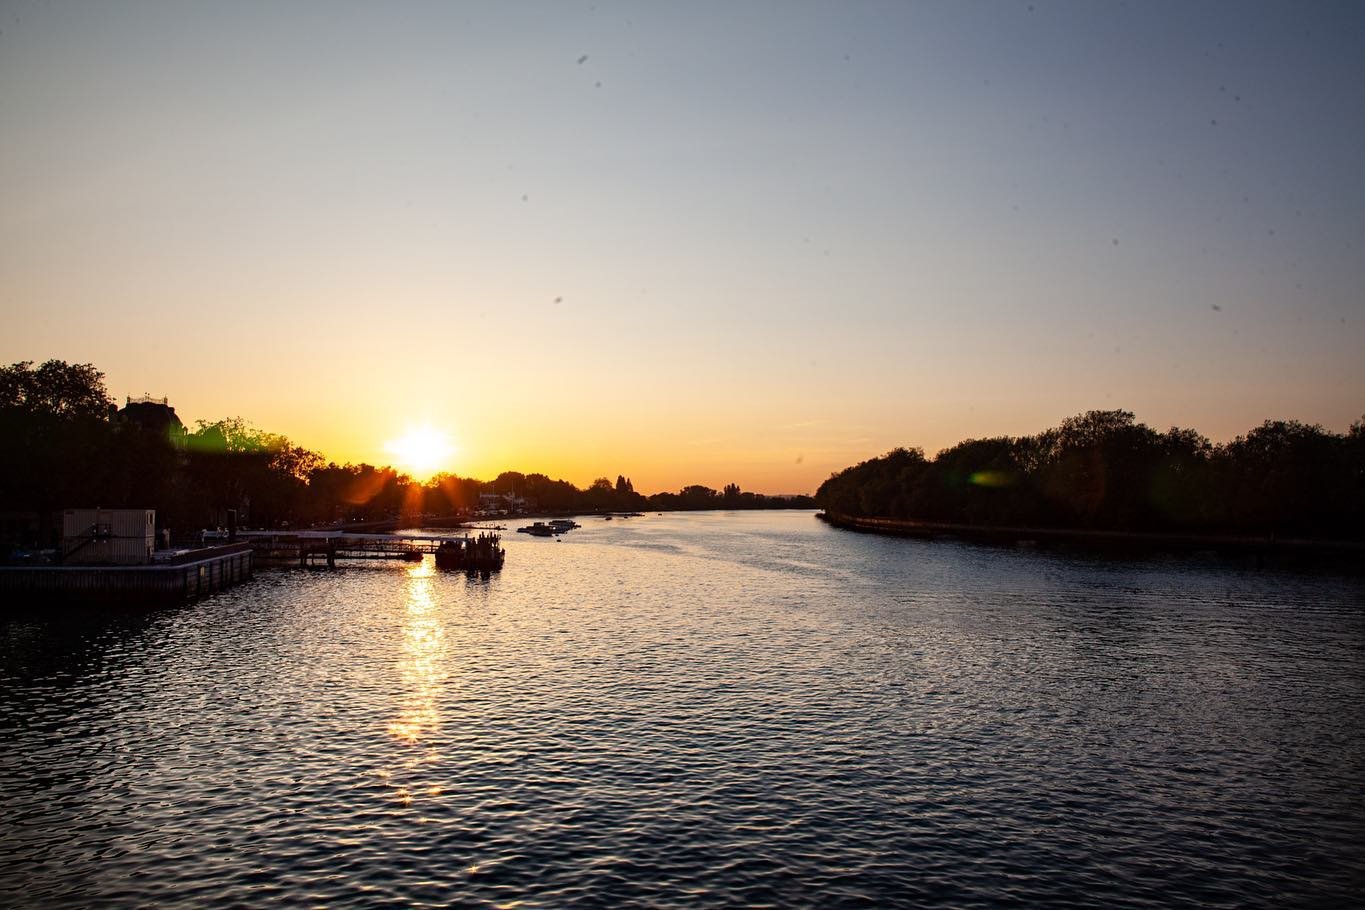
(697, 710)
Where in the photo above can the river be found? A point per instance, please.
(711, 709)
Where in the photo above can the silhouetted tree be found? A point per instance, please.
(1103, 469)
(61, 448)
(56, 389)
(57, 447)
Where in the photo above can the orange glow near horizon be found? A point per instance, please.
(352, 241)
(422, 452)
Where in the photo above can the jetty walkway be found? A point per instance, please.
(308, 548)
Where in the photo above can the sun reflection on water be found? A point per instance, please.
(422, 672)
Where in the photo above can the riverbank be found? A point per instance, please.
(1343, 552)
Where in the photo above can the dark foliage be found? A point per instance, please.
(66, 445)
(1104, 470)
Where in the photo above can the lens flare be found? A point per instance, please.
(991, 479)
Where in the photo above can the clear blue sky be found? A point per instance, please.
(690, 242)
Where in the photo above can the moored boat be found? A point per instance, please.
(473, 554)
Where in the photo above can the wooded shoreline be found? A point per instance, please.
(1349, 552)
(1102, 476)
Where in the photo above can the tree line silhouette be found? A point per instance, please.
(1104, 470)
(65, 445)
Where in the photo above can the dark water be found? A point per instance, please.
(702, 710)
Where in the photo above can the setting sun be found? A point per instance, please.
(422, 451)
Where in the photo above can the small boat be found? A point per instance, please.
(539, 529)
(563, 524)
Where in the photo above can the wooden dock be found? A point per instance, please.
(311, 548)
(183, 577)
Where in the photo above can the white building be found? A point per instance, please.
(501, 502)
(121, 537)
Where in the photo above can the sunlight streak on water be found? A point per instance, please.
(423, 673)
(704, 709)
(423, 664)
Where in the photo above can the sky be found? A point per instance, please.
(689, 243)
